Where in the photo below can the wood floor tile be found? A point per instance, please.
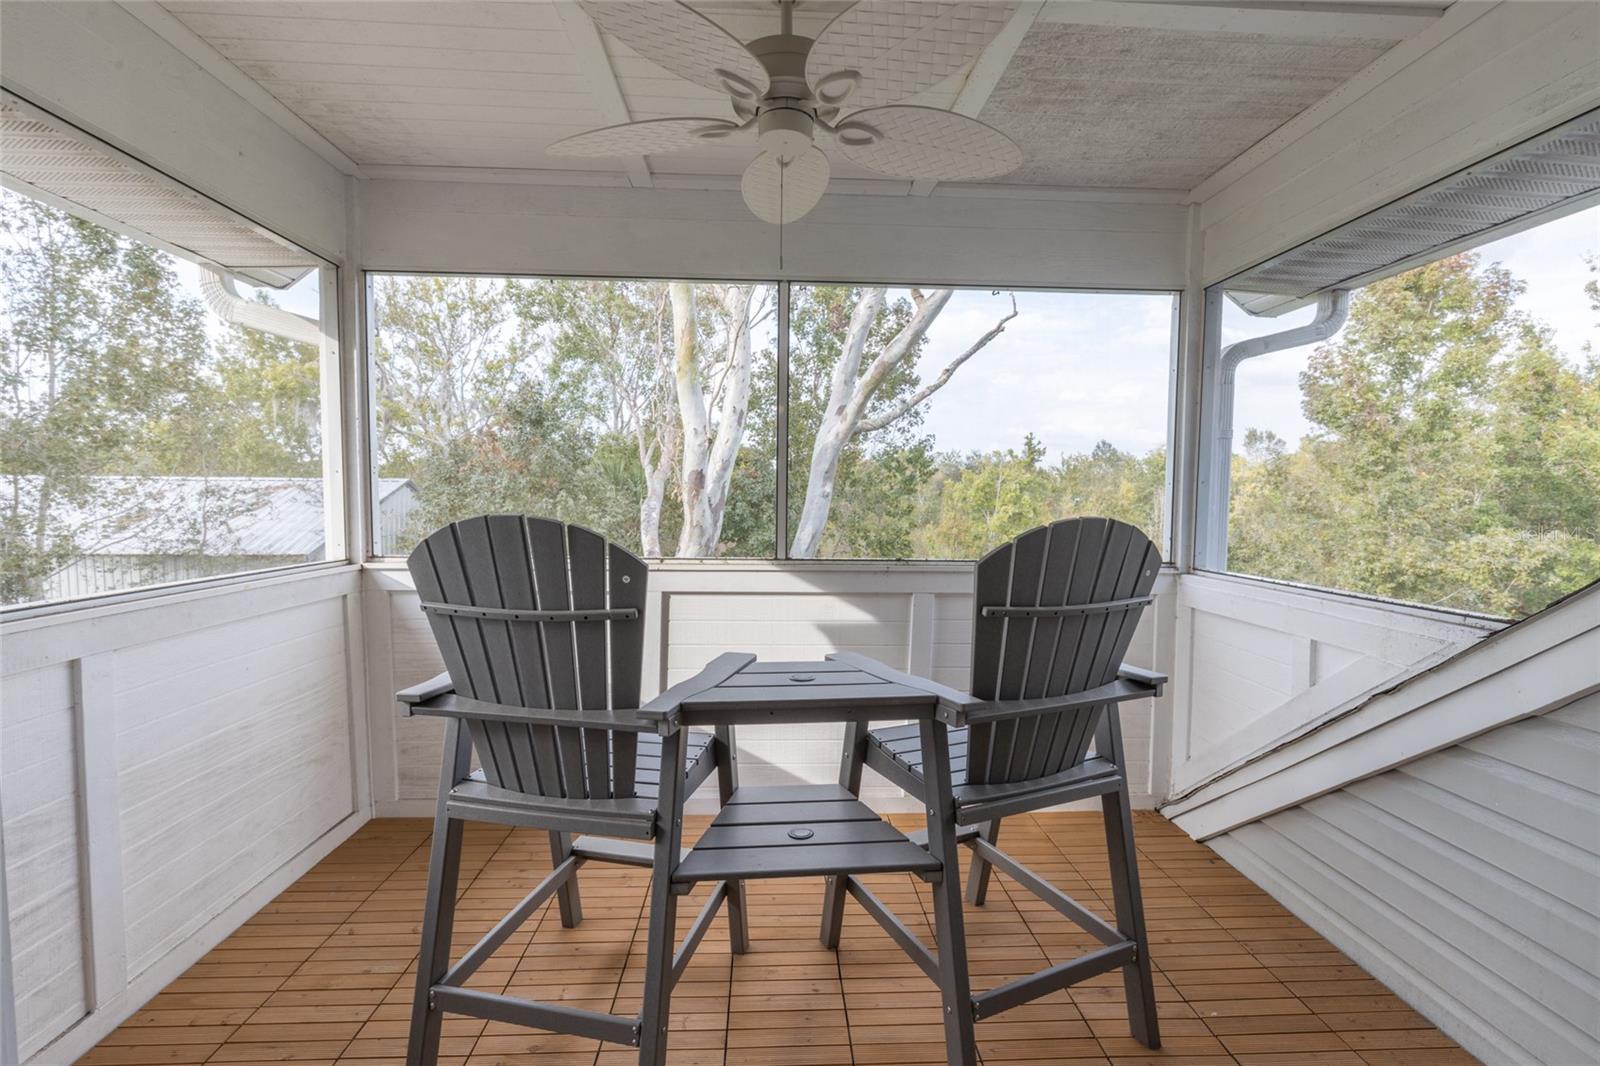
(324, 974)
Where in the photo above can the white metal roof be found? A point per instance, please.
(247, 516)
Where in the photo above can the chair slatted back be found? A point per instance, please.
(510, 564)
(1078, 562)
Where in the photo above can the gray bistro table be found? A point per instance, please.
(812, 830)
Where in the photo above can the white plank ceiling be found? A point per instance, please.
(1098, 93)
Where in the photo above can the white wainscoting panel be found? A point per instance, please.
(39, 779)
(168, 763)
(912, 616)
(1259, 663)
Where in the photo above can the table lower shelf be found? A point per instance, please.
(799, 831)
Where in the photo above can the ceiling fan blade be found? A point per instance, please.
(780, 192)
(925, 142)
(675, 36)
(879, 51)
(657, 136)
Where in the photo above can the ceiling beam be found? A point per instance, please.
(584, 37)
(1391, 22)
(987, 70)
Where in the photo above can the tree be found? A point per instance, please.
(448, 351)
(100, 347)
(1454, 457)
(864, 357)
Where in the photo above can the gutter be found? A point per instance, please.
(222, 296)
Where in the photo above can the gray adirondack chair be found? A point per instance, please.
(1054, 611)
(541, 629)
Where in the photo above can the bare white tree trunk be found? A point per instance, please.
(693, 472)
(656, 433)
(657, 445)
(851, 391)
(708, 456)
(732, 412)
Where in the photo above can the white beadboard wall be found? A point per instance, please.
(912, 616)
(169, 764)
(1468, 881)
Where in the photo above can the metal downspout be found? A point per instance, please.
(1332, 308)
(225, 302)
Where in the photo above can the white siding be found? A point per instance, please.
(1468, 881)
(169, 764)
(222, 787)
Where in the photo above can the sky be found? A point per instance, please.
(1073, 368)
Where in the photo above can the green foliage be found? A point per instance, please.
(1454, 458)
(985, 500)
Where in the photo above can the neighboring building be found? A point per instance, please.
(133, 531)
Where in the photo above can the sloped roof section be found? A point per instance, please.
(1549, 175)
(58, 164)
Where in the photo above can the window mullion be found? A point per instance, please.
(781, 514)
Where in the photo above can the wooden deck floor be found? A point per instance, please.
(324, 973)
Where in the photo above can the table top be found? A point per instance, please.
(737, 688)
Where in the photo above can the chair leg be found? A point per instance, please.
(567, 894)
(727, 784)
(978, 872)
(438, 915)
(663, 928)
(1137, 979)
(850, 765)
(955, 985)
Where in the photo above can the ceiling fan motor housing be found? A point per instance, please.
(787, 114)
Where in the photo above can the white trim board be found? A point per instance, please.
(1540, 664)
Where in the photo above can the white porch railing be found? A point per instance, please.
(912, 616)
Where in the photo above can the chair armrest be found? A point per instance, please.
(1000, 710)
(1140, 674)
(665, 710)
(451, 705)
(427, 690)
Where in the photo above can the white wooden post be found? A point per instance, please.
(105, 954)
(919, 653)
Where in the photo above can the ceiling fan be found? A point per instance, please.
(786, 88)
